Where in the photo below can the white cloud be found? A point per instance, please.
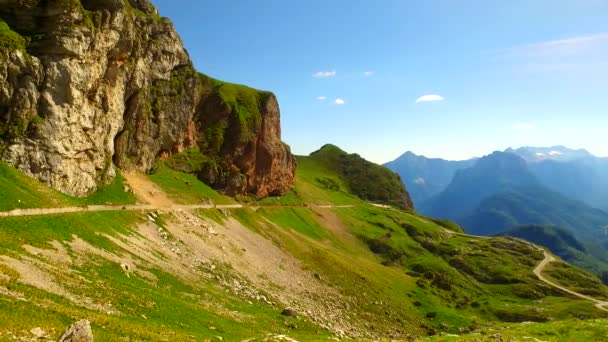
(324, 74)
(321, 98)
(582, 53)
(419, 181)
(555, 153)
(522, 126)
(565, 47)
(368, 73)
(540, 154)
(430, 98)
(339, 101)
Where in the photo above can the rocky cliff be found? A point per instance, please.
(89, 85)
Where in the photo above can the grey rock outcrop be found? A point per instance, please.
(78, 332)
(100, 83)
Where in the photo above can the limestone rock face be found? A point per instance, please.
(98, 83)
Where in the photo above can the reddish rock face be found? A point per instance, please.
(268, 162)
(256, 162)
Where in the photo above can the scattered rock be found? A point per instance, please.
(38, 333)
(289, 312)
(78, 332)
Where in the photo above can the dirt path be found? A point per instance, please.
(150, 197)
(539, 270)
(146, 191)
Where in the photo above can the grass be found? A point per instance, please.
(18, 191)
(310, 190)
(39, 230)
(169, 308)
(399, 273)
(112, 194)
(301, 220)
(556, 331)
(365, 179)
(185, 188)
(576, 279)
(166, 308)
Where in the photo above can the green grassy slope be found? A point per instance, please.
(565, 245)
(18, 191)
(387, 273)
(367, 180)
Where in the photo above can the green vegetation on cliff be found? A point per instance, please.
(10, 39)
(242, 105)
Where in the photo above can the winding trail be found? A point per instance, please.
(548, 258)
(602, 305)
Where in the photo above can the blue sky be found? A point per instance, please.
(355, 73)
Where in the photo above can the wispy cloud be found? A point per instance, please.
(324, 74)
(321, 98)
(582, 53)
(522, 126)
(339, 101)
(368, 73)
(430, 98)
(564, 47)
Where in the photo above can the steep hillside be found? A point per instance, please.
(367, 180)
(89, 85)
(426, 177)
(263, 270)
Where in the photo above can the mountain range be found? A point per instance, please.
(553, 186)
(576, 174)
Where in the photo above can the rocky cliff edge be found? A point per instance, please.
(89, 85)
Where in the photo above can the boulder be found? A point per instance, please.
(78, 332)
